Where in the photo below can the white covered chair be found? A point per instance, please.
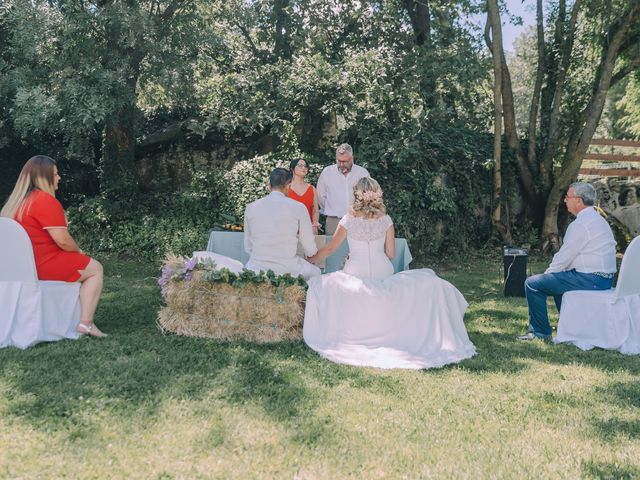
(31, 310)
(607, 319)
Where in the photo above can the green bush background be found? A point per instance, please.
(436, 190)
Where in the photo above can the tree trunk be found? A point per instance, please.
(508, 110)
(118, 179)
(420, 17)
(566, 47)
(583, 130)
(117, 165)
(493, 18)
(511, 134)
(535, 97)
(550, 237)
(551, 62)
(420, 20)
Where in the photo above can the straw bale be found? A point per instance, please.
(257, 312)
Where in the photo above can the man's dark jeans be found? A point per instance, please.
(538, 287)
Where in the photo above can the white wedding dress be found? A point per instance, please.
(366, 315)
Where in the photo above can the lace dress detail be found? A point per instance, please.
(366, 229)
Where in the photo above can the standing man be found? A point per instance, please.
(586, 261)
(272, 227)
(335, 186)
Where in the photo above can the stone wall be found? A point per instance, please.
(620, 199)
(173, 168)
(164, 165)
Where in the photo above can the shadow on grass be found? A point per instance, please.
(53, 386)
(603, 470)
(614, 429)
(625, 396)
(504, 353)
(137, 369)
(134, 371)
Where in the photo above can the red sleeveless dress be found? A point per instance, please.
(42, 211)
(306, 198)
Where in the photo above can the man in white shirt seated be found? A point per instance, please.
(272, 227)
(586, 261)
(335, 186)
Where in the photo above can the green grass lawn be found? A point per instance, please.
(140, 404)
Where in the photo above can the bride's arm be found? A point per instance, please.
(329, 248)
(390, 243)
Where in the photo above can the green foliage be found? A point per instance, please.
(72, 66)
(148, 226)
(249, 276)
(629, 107)
(248, 180)
(436, 190)
(180, 269)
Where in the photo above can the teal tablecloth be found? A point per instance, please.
(231, 244)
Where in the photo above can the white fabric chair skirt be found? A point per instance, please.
(43, 311)
(597, 320)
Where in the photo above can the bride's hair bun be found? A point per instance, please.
(367, 199)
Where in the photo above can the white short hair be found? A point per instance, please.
(585, 191)
(343, 149)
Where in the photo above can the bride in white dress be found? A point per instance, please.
(366, 315)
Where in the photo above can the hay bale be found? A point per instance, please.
(257, 312)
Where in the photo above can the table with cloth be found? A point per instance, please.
(231, 244)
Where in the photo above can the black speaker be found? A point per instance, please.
(515, 271)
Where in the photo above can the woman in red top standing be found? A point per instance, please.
(33, 204)
(304, 192)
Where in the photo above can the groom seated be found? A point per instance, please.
(273, 225)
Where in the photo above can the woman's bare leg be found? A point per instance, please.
(91, 279)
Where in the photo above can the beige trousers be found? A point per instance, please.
(320, 242)
(330, 225)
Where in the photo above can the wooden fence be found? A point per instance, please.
(609, 157)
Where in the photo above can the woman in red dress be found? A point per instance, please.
(303, 192)
(33, 204)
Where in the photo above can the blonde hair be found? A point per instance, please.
(38, 173)
(367, 199)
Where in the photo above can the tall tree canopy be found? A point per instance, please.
(583, 48)
(105, 78)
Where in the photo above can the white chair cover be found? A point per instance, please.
(31, 311)
(608, 319)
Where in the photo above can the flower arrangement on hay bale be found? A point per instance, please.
(203, 300)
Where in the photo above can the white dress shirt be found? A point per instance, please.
(335, 190)
(272, 226)
(588, 246)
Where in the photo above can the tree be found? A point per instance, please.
(628, 107)
(92, 58)
(568, 96)
(493, 22)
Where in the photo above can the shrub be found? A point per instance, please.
(437, 187)
(148, 226)
(436, 180)
(248, 180)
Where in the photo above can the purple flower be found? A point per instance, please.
(163, 281)
(190, 265)
(188, 268)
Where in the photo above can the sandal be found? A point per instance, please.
(90, 330)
